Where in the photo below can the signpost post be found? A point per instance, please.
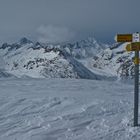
(133, 46)
(136, 89)
(136, 38)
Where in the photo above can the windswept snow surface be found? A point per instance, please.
(66, 109)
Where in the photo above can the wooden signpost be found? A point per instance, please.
(124, 38)
(133, 46)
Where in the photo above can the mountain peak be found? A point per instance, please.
(24, 41)
(91, 38)
(4, 45)
(38, 44)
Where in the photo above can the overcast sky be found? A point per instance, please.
(66, 20)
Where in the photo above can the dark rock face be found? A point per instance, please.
(24, 41)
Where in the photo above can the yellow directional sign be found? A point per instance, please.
(128, 47)
(136, 61)
(135, 46)
(124, 37)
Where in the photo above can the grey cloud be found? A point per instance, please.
(54, 34)
(104, 18)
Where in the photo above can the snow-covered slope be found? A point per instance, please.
(115, 60)
(26, 58)
(62, 109)
(4, 74)
(36, 62)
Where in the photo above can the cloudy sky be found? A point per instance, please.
(67, 20)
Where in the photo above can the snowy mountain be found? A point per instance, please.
(85, 48)
(26, 58)
(115, 60)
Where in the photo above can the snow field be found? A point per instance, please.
(66, 109)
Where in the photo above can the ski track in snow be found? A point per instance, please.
(60, 109)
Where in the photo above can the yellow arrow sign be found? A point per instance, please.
(136, 60)
(124, 38)
(128, 47)
(135, 46)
